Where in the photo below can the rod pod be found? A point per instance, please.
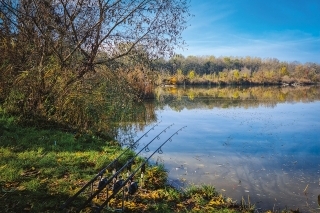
(71, 199)
(103, 185)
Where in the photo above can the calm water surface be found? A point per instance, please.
(266, 153)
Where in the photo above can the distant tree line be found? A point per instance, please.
(235, 70)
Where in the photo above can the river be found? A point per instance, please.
(260, 145)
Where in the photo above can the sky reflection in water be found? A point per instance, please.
(271, 154)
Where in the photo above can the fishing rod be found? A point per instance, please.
(130, 177)
(105, 183)
(71, 199)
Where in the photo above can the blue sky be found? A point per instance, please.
(288, 30)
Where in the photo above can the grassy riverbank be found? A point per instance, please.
(41, 168)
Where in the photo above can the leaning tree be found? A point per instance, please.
(61, 58)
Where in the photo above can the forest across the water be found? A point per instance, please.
(197, 70)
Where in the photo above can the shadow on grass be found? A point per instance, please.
(20, 138)
(15, 199)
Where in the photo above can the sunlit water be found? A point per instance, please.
(268, 156)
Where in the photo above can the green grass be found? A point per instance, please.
(39, 164)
